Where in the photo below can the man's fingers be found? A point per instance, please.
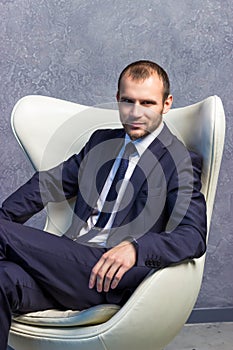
(110, 275)
(103, 270)
(94, 272)
(101, 276)
(118, 276)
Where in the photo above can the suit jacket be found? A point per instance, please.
(163, 208)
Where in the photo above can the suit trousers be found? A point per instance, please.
(39, 271)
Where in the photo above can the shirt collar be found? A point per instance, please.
(143, 143)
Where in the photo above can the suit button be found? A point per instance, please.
(153, 263)
(149, 263)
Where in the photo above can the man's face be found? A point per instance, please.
(141, 105)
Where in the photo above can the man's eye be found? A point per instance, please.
(146, 103)
(126, 100)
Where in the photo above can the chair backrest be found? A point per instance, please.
(49, 130)
(201, 127)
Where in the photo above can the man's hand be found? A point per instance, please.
(113, 264)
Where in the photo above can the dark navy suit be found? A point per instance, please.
(162, 209)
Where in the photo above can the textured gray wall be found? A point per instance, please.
(75, 49)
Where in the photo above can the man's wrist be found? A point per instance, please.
(133, 241)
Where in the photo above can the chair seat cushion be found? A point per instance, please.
(92, 316)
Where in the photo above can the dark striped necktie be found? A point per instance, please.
(114, 189)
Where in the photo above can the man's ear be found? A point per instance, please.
(167, 104)
(118, 96)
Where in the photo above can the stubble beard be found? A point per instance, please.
(139, 133)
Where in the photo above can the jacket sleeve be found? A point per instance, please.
(185, 234)
(56, 184)
(53, 185)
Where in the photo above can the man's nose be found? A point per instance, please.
(136, 110)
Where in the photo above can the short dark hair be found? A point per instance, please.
(143, 69)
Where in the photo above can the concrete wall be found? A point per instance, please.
(75, 49)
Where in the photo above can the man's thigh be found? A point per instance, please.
(59, 266)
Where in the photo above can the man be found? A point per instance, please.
(154, 217)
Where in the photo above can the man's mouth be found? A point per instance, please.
(135, 125)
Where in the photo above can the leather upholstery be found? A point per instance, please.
(69, 318)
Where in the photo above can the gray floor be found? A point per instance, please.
(208, 336)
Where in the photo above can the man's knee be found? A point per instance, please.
(9, 278)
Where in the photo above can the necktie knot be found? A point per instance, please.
(129, 150)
